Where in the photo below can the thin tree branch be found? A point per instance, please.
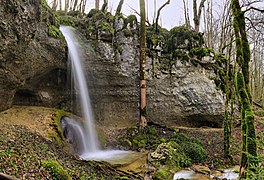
(135, 11)
(254, 8)
(157, 19)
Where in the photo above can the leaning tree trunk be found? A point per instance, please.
(249, 146)
(142, 84)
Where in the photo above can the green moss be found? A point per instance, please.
(180, 54)
(194, 151)
(53, 31)
(127, 32)
(201, 52)
(66, 20)
(171, 155)
(162, 174)
(193, 148)
(183, 37)
(45, 5)
(56, 117)
(106, 26)
(131, 20)
(139, 142)
(56, 170)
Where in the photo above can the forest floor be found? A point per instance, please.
(26, 141)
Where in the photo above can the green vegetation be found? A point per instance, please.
(162, 174)
(49, 20)
(23, 154)
(56, 170)
(56, 117)
(53, 31)
(170, 149)
(67, 20)
(131, 20)
(193, 148)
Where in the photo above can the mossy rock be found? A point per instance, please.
(53, 31)
(169, 154)
(131, 20)
(162, 174)
(55, 170)
(184, 38)
(201, 52)
(67, 20)
(56, 123)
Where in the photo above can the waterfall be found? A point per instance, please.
(80, 84)
(86, 143)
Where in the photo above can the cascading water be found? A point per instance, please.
(91, 144)
(89, 148)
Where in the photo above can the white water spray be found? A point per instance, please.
(91, 142)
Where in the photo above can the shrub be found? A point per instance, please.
(194, 151)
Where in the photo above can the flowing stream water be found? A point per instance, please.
(88, 137)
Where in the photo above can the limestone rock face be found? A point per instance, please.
(29, 58)
(184, 95)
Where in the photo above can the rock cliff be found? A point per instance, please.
(31, 54)
(182, 75)
(181, 91)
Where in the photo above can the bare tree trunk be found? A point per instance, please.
(84, 5)
(75, 5)
(249, 147)
(66, 5)
(104, 7)
(119, 7)
(197, 14)
(157, 19)
(54, 5)
(186, 13)
(142, 84)
(60, 5)
(97, 2)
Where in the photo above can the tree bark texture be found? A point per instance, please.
(249, 146)
(143, 99)
(197, 14)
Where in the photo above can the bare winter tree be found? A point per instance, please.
(119, 7)
(159, 10)
(197, 13)
(97, 2)
(186, 13)
(143, 85)
(54, 5)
